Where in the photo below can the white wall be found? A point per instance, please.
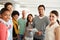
(31, 6)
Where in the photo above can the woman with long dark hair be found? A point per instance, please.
(29, 28)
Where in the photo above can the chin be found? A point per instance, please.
(52, 22)
(7, 20)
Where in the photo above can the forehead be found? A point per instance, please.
(40, 8)
(6, 12)
(51, 14)
(30, 16)
(9, 6)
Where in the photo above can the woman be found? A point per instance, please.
(52, 31)
(5, 16)
(15, 15)
(30, 30)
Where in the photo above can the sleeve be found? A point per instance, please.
(33, 22)
(47, 21)
(3, 32)
(18, 24)
(34, 30)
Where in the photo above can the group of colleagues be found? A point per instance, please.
(31, 28)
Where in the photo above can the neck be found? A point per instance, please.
(41, 15)
(30, 22)
(52, 23)
(23, 17)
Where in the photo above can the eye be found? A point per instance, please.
(50, 16)
(53, 16)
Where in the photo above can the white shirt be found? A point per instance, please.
(49, 32)
(41, 17)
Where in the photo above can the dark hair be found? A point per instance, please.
(3, 10)
(28, 19)
(15, 13)
(56, 13)
(41, 6)
(6, 4)
(0, 12)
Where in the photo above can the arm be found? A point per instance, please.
(47, 21)
(33, 22)
(57, 33)
(18, 25)
(3, 32)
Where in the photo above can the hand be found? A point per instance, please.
(39, 33)
(9, 27)
(30, 29)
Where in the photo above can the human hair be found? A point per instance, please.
(0, 11)
(28, 19)
(6, 4)
(3, 10)
(41, 6)
(15, 13)
(56, 13)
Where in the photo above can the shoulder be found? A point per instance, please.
(35, 17)
(46, 17)
(19, 19)
(2, 26)
(57, 29)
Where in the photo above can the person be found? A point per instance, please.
(15, 15)
(30, 30)
(22, 25)
(52, 31)
(5, 16)
(40, 22)
(9, 6)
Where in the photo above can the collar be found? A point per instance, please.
(4, 22)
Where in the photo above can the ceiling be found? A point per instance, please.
(34, 3)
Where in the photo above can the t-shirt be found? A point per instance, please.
(22, 25)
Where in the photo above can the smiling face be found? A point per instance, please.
(30, 18)
(15, 17)
(10, 8)
(6, 15)
(53, 18)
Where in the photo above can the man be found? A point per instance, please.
(22, 24)
(9, 6)
(40, 22)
